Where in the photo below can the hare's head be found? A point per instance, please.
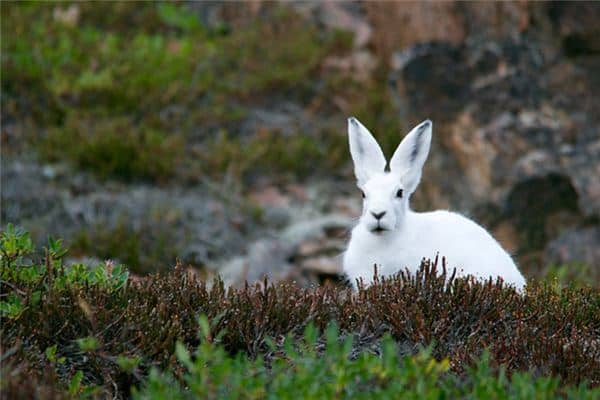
(386, 191)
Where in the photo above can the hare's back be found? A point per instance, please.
(467, 246)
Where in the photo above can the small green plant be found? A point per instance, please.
(15, 243)
(147, 248)
(114, 148)
(128, 364)
(52, 357)
(11, 307)
(77, 389)
(295, 155)
(573, 274)
(87, 344)
(55, 248)
(104, 275)
(301, 371)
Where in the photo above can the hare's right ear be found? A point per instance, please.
(409, 157)
(366, 153)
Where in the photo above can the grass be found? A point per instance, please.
(114, 147)
(141, 93)
(271, 153)
(77, 330)
(574, 274)
(145, 249)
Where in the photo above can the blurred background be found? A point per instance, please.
(215, 132)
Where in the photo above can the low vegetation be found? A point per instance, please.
(322, 368)
(144, 249)
(165, 99)
(150, 92)
(76, 330)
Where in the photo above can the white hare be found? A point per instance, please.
(392, 237)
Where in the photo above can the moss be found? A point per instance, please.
(280, 55)
(272, 153)
(575, 274)
(129, 19)
(113, 147)
(146, 249)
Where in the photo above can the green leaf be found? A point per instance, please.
(75, 383)
(87, 344)
(183, 355)
(128, 364)
(55, 248)
(204, 327)
(51, 352)
(11, 307)
(15, 242)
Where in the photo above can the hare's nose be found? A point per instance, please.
(379, 215)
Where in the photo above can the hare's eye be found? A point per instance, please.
(399, 193)
(362, 194)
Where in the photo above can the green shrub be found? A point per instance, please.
(149, 247)
(114, 148)
(273, 153)
(308, 369)
(278, 55)
(18, 270)
(15, 243)
(573, 274)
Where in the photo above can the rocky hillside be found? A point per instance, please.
(215, 132)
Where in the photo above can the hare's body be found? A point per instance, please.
(394, 238)
(465, 245)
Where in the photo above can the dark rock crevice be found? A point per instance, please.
(536, 203)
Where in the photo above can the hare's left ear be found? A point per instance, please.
(366, 153)
(409, 157)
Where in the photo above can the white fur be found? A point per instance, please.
(408, 236)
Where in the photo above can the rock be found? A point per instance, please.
(323, 265)
(512, 120)
(401, 25)
(575, 246)
(90, 261)
(507, 235)
(578, 26)
(360, 65)
(297, 191)
(269, 196)
(265, 258)
(318, 246)
(302, 246)
(307, 228)
(186, 222)
(26, 195)
(68, 16)
(338, 15)
(284, 117)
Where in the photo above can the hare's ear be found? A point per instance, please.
(366, 153)
(409, 157)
